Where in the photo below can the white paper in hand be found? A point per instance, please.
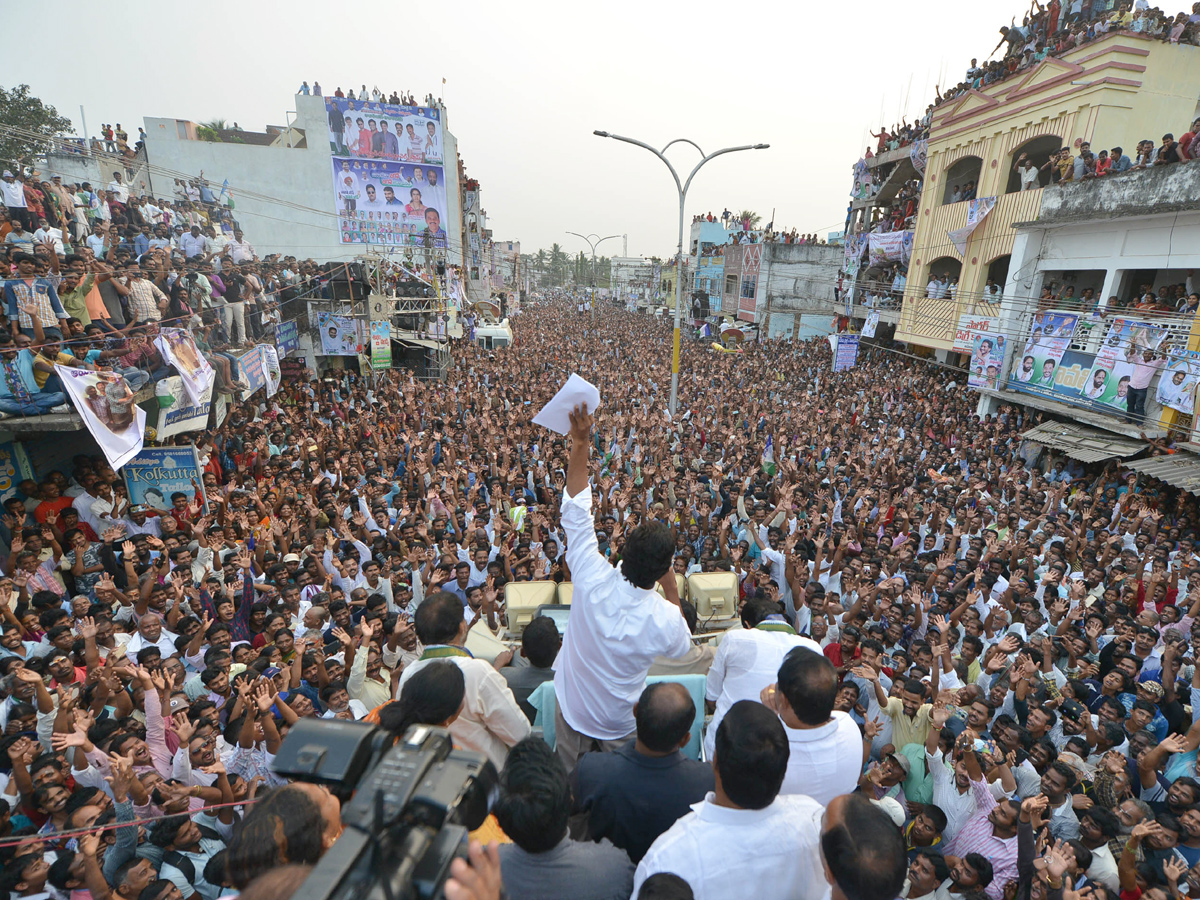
(556, 415)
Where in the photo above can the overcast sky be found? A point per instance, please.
(528, 82)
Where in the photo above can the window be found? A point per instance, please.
(962, 176)
(997, 277)
(748, 285)
(942, 283)
(1038, 151)
(730, 285)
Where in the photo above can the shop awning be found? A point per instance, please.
(1181, 470)
(1082, 443)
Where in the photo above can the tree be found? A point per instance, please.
(559, 262)
(750, 215)
(211, 131)
(21, 110)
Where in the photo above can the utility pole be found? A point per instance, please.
(682, 188)
(593, 244)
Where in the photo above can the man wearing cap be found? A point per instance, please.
(1071, 723)
(139, 521)
(886, 778)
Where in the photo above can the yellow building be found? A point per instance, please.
(1111, 92)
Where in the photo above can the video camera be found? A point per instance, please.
(411, 805)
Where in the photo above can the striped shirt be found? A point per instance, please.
(977, 836)
(35, 292)
(144, 297)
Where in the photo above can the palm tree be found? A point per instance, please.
(539, 263)
(215, 125)
(748, 215)
(558, 264)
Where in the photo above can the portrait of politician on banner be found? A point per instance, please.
(105, 404)
(381, 202)
(368, 130)
(179, 349)
(1177, 383)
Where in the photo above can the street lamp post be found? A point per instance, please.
(682, 187)
(593, 244)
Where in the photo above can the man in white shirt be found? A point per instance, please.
(193, 243)
(748, 660)
(151, 633)
(118, 188)
(826, 746)
(240, 250)
(618, 623)
(744, 840)
(53, 235)
(490, 721)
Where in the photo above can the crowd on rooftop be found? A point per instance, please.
(92, 274)
(375, 95)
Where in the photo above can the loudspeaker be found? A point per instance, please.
(349, 282)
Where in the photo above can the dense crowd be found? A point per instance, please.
(91, 275)
(962, 667)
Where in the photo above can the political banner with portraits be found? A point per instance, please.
(894, 246)
(977, 211)
(1124, 344)
(388, 173)
(390, 203)
(1049, 338)
(260, 369)
(1177, 383)
(971, 327)
(105, 403)
(871, 324)
(381, 345)
(364, 129)
(987, 361)
(339, 334)
(179, 349)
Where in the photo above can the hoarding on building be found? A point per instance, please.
(388, 174)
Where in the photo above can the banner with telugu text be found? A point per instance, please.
(846, 355)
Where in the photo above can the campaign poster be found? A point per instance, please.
(871, 324)
(846, 354)
(893, 246)
(1177, 383)
(987, 359)
(260, 368)
(182, 415)
(381, 345)
(179, 349)
(1126, 341)
(287, 338)
(339, 334)
(365, 129)
(154, 474)
(105, 403)
(390, 203)
(970, 328)
(1049, 339)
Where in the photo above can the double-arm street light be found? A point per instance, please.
(682, 187)
(594, 244)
